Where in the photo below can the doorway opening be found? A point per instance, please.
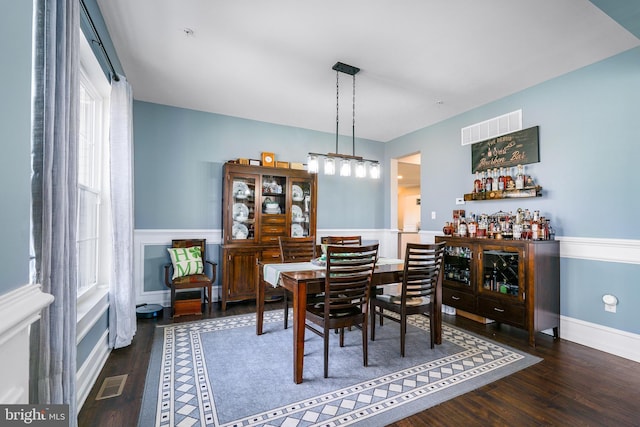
(408, 200)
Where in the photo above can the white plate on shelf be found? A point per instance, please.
(239, 231)
(240, 190)
(297, 230)
(296, 193)
(240, 211)
(296, 214)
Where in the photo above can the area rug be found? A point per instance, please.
(218, 372)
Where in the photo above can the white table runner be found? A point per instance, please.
(271, 272)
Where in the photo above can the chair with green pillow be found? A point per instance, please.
(188, 270)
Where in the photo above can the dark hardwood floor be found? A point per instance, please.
(573, 386)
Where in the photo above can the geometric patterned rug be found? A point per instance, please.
(182, 388)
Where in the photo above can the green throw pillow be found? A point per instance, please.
(186, 261)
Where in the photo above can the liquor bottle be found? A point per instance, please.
(477, 183)
(526, 225)
(544, 230)
(502, 180)
(520, 178)
(489, 182)
(483, 223)
(517, 226)
(496, 179)
(510, 180)
(535, 226)
(462, 228)
(472, 227)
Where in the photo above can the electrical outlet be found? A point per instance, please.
(459, 200)
(433, 214)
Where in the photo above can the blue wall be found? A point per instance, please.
(589, 149)
(178, 159)
(15, 131)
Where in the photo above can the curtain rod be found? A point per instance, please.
(98, 40)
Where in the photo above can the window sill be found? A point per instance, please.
(91, 306)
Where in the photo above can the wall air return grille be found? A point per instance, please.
(492, 128)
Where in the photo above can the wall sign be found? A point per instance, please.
(517, 148)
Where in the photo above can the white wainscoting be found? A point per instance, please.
(142, 238)
(606, 250)
(616, 342)
(91, 307)
(20, 308)
(88, 373)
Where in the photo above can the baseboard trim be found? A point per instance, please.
(603, 338)
(88, 373)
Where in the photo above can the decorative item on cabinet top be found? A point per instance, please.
(268, 159)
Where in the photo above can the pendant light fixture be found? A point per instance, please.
(343, 162)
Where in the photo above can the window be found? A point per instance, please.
(92, 230)
(89, 187)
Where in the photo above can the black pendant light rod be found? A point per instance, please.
(340, 67)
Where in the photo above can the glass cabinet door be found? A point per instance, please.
(300, 208)
(243, 199)
(503, 271)
(274, 195)
(458, 263)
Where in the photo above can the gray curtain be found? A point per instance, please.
(122, 310)
(54, 201)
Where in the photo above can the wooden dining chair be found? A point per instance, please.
(188, 270)
(292, 249)
(423, 272)
(346, 295)
(295, 249)
(342, 240)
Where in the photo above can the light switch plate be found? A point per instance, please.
(459, 200)
(433, 214)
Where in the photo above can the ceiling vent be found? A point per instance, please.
(492, 128)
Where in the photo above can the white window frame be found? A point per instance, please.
(93, 301)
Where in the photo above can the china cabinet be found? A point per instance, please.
(516, 282)
(259, 205)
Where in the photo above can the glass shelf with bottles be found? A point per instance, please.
(500, 272)
(457, 264)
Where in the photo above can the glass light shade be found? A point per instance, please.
(313, 165)
(329, 166)
(374, 170)
(345, 167)
(361, 169)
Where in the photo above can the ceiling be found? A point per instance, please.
(421, 61)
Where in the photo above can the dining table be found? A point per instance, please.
(305, 278)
